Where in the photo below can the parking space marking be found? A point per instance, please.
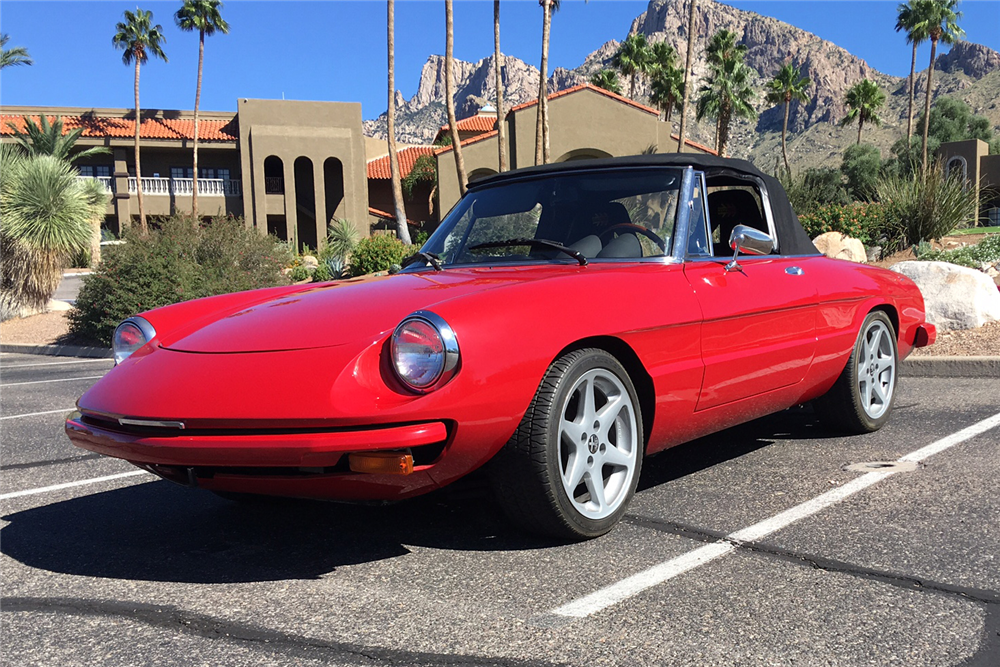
(70, 485)
(18, 384)
(35, 414)
(54, 363)
(658, 574)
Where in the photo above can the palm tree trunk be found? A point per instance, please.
(138, 170)
(687, 79)
(197, 101)
(784, 132)
(631, 86)
(450, 95)
(724, 117)
(927, 101)
(861, 123)
(498, 65)
(397, 189)
(541, 120)
(911, 89)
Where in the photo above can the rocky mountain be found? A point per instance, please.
(969, 71)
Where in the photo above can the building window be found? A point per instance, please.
(181, 172)
(98, 170)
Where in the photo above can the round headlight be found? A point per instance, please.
(130, 335)
(424, 351)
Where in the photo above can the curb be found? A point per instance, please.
(955, 367)
(59, 350)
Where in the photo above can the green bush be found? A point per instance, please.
(815, 188)
(986, 251)
(377, 253)
(924, 207)
(861, 221)
(173, 263)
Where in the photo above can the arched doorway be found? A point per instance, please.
(305, 204)
(583, 154)
(333, 185)
(274, 175)
(479, 174)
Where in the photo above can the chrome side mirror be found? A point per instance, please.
(749, 241)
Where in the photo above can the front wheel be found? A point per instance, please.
(862, 398)
(571, 468)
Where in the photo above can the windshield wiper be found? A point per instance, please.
(427, 257)
(538, 242)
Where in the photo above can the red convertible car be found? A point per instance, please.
(561, 324)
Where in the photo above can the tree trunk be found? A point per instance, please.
(138, 170)
(541, 140)
(450, 95)
(911, 90)
(631, 86)
(498, 64)
(861, 123)
(784, 133)
(402, 231)
(687, 79)
(927, 100)
(724, 117)
(197, 101)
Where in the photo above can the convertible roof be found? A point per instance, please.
(792, 239)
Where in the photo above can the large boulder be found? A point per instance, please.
(839, 246)
(955, 297)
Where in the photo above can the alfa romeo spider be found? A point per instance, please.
(563, 323)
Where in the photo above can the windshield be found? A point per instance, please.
(599, 215)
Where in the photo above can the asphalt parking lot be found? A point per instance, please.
(755, 546)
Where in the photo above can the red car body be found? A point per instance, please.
(274, 388)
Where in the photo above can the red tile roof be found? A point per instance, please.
(387, 216)
(587, 86)
(466, 142)
(477, 123)
(695, 144)
(124, 128)
(379, 167)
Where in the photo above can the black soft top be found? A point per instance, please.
(792, 239)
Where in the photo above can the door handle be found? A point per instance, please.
(794, 271)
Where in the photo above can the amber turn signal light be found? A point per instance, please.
(385, 463)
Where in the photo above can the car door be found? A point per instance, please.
(759, 321)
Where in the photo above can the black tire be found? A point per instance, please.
(862, 398)
(530, 475)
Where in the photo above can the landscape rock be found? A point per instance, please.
(57, 306)
(874, 253)
(955, 297)
(839, 246)
(309, 261)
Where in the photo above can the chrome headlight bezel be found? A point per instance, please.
(122, 352)
(444, 368)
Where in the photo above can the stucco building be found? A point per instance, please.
(981, 171)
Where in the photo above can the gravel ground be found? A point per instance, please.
(43, 329)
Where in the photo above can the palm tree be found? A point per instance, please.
(726, 93)
(911, 20)
(687, 81)
(666, 79)
(864, 99)
(17, 55)
(46, 213)
(608, 80)
(722, 47)
(633, 57)
(138, 38)
(542, 119)
(46, 138)
(402, 231)
(787, 85)
(498, 66)
(205, 17)
(449, 94)
(941, 20)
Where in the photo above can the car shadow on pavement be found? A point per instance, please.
(159, 531)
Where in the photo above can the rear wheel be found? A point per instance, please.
(862, 398)
(571, 467)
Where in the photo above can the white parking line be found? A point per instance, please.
(18, 384)
(35, 414)
(626, 588)
(69, 485)
(54, 363)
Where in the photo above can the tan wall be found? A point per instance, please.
(972, 152)
(291, 130)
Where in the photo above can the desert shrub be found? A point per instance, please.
(861, 166)
(920, 208)
(814, 188)
(377, 253)
(861, 221)
(173, 263)
(341, 238)
(986, 251)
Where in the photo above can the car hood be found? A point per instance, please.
(342, 312)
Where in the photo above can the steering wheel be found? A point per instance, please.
(631, 227)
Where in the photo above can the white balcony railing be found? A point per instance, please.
(183, 186)
(106, 181)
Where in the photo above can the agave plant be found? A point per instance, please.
(46, 216)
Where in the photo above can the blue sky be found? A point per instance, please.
(336, 50)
